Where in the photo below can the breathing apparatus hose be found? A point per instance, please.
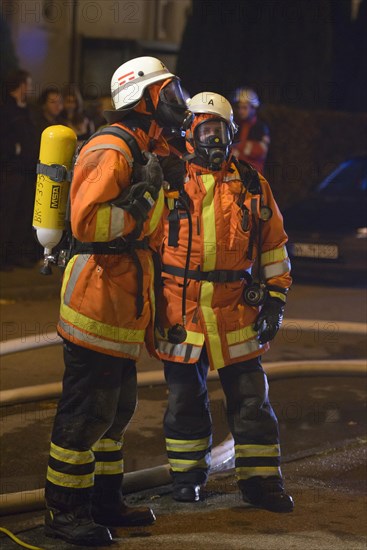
(186, 207)
(177, 334)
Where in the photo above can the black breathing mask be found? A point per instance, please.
(211, 142)
(171, 109)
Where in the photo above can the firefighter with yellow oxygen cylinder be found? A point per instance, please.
(221, 221)
(107, 302)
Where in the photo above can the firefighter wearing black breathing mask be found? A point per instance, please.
(217, 311)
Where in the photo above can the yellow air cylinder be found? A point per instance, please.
(57, 148)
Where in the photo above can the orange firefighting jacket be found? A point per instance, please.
(216, 313)
(98, 298)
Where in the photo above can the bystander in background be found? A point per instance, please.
(74, 113)
(252, 141)
(18, 155)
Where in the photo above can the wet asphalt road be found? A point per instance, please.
(322, 423)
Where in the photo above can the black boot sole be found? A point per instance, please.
(52, 533)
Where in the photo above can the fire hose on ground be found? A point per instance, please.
(160, 475)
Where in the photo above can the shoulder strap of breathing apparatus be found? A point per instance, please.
(117, 246)
(255, 293)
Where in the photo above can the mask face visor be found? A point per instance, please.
(172, 94)
(212, 133)
(171, 110)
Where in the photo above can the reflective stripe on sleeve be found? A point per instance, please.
(102, 233)
(274, 270)
(274, 255)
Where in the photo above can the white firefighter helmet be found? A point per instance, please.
(213, 104)
(246, 95)
(131, 79)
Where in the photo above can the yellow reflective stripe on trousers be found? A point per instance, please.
(179, 465)
(182, 445)
(102, 233)
(245, 451)
(275, 255)
(69, 480)
(117, 334)
(110, 468)
(107, 444)
(211, 323)
(70, 456)
(208, 219)
(263, 471)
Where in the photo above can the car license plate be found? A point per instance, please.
(316, 251)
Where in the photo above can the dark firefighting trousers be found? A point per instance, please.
(86, 456)
(251, 419)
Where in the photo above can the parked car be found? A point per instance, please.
(328, 230)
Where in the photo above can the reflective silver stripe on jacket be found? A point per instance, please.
(244, 349)
(179, 350)
(100, 146)
(274, 270)
(130, 349)
(78, 267)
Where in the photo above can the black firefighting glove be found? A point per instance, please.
(140, 197)
(269, 319)
(174, 171)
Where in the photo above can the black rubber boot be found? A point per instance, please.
(76, 526)
(122, 515)
(109, 508)
(186, 493)
(267, 493)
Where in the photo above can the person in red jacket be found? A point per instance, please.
(252, 141)
(221, 222)
(107, 307)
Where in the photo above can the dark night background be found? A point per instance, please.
(303, 53)
(307, 59)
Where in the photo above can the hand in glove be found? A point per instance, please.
(138, 199)
(151, 172)
(174, 171)
(269, 319)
